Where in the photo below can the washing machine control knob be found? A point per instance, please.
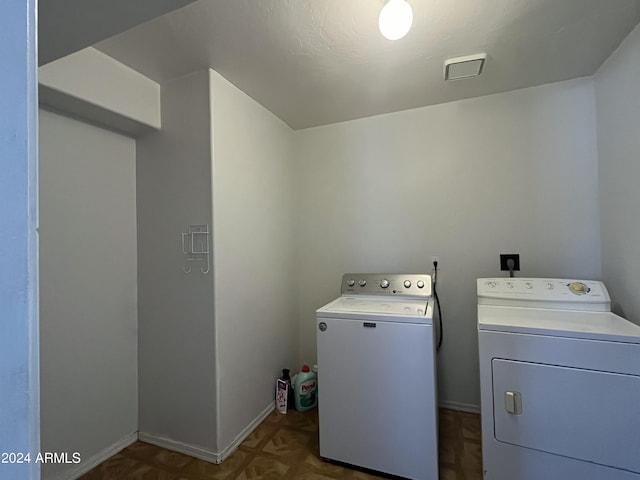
(362, 282)
(510, 284)
(549, 286)
(384, 283)
(529, 285)
(351, 282)
(420, 284)
(407, 283)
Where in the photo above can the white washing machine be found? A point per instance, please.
(377, 381)
(560, 382)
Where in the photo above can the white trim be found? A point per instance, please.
(181, 447)
(87, 464)
(228, 450)
(201, 453)
(462, 407)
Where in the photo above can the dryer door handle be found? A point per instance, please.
(513, 402)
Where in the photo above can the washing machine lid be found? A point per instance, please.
(606, 326)
(381, 308)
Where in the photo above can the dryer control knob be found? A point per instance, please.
(384, 283)
(351, 282)
(420, 284)
(407, 283)
(579, 288)
(362, 282)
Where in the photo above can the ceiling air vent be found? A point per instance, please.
(464, 67)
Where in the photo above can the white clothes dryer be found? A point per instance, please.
(560, 382)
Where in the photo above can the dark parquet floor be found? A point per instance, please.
(285, 447)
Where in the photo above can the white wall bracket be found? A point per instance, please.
(195, 247)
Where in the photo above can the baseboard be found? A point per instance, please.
(181, 447)
(201, 453)
(246, 432)
(87, 464)
(462, 407)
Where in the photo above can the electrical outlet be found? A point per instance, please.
(435, 258)
(505, 257)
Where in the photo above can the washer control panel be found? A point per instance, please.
(543, 289)
(410, 284)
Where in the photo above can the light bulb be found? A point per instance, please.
(395, 19)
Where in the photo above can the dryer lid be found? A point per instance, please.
(605, 326)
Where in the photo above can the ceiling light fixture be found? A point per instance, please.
(395, 19)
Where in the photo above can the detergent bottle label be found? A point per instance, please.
(308, 393)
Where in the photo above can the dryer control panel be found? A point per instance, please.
(547, 292)
(393, 284)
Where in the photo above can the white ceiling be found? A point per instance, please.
(313, 62)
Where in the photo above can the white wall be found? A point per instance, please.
(19, 383)
(508, 173)
(255, 281)
(96, 88)
(228, 160)
(87, 289)
(618, 116)
(175, 309)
